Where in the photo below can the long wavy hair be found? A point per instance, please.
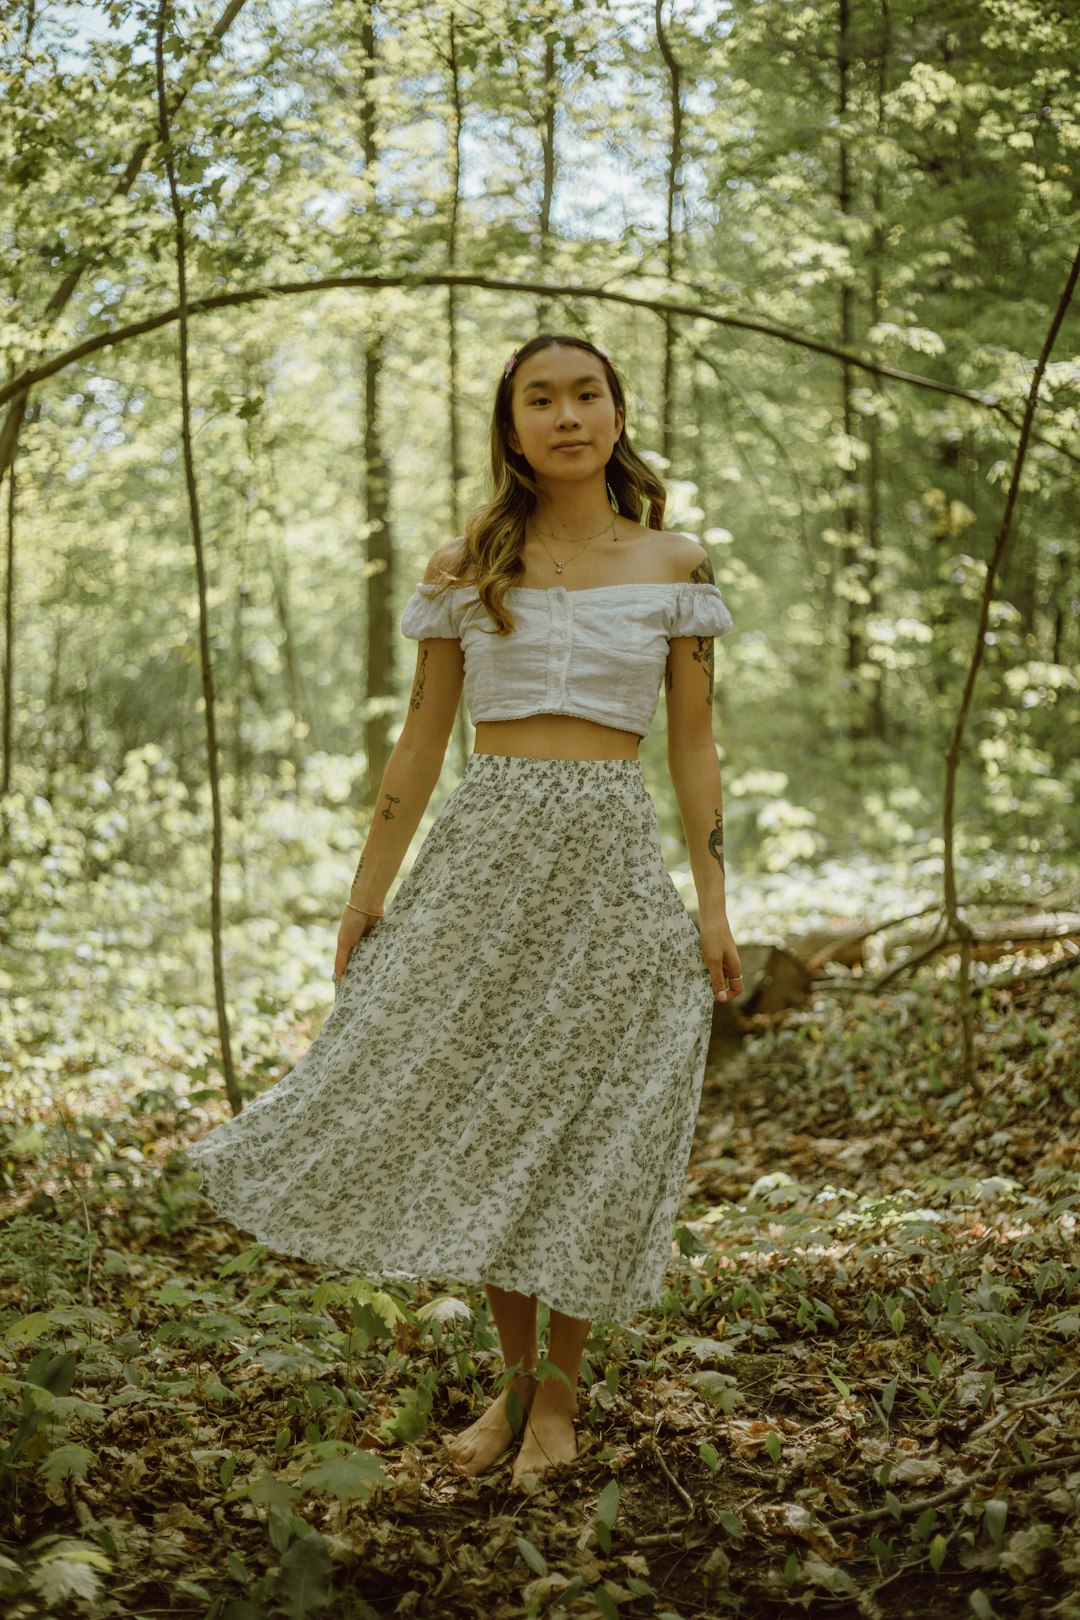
(489, 553)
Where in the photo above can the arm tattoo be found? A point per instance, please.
(356, 874)
(704, 655)
(418, 689)
(388, 814)
(703, 575)
(716, 839)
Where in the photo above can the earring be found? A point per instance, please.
(613, 501)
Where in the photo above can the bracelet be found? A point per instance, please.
(361, 911)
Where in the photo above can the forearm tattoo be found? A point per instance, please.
(388, 814)
(716, 839)
(356, 874)
(418, 689)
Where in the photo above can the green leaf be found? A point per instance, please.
(244, 1262)
(937, 1552)
(605, 1603)
(607, 1506)
(304, 1583)
(66, 1461)
(25, 1328)
(172, 1293)
(773, 1445)
(995, 1512)
(346, 1475)
(535, 1560)
(839, 1382)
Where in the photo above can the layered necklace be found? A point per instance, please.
(559, 566)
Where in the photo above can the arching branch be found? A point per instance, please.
(290, 289)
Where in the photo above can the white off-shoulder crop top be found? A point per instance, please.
(598, 653)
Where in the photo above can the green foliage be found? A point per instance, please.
(875, 1265)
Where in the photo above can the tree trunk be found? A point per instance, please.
(855, 650)
(229, 1074)
(457, 468)
(379, 574)
(674, 185)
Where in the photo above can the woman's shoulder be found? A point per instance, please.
(679, 559)
(445, 564)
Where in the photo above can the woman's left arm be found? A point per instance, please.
(695, 775)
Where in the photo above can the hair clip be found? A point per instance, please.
(510, 364)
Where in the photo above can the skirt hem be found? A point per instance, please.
(620, 1313)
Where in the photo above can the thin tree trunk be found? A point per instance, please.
(457, 469)
(231, 1088)
(876, 719)
(380, 554)
(959, 927)
(9, 629)
(674, 193)
(380, 577)
(855, 650)
(278, 569)
(549, 103)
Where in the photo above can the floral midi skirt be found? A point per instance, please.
(506, 1088)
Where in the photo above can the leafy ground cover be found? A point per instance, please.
(860, 1396)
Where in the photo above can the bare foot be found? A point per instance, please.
(478, 1446)
(548, 1439)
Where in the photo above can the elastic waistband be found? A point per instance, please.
(529, 765)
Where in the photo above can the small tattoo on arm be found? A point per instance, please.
(704, 656)
(359, 864)
(716, 839)
(703, 573)
(388, 814)
(418, 689)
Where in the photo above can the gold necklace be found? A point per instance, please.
(559, 566)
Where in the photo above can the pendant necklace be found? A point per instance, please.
(559, 566)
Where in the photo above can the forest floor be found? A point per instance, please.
(860, 1395)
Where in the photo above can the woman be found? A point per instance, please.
(506, 1089)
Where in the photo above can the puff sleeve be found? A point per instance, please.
(426, 615)
(698, 609)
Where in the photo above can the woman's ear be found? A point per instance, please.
(513, 441)
(620, 418)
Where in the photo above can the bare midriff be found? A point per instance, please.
(554, 736)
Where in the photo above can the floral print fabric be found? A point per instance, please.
(506, 1087)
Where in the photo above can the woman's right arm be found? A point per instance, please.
(412, 770)
(408, 780)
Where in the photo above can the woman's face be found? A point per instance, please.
(565, 422)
